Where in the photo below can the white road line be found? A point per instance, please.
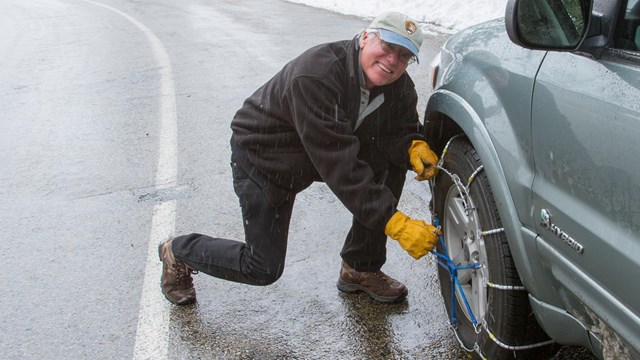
(153, 316)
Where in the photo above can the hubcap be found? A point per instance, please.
(465, 246)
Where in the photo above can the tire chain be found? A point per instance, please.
(482, 325)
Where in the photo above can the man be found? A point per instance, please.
(343, 113)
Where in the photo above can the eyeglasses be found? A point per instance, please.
(403, 54)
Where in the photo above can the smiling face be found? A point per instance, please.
(379, 67)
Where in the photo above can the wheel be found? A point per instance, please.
(495, 295)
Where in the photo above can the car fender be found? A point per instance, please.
(455, 109)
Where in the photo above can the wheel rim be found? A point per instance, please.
(465, 245)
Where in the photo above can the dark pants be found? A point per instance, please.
(260, 259)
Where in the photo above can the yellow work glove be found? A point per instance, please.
(423, 160)
(415, 236)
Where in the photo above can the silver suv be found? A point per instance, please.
(537, 118)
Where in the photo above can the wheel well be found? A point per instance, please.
(438, 129)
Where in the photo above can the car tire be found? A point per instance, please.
(505, 312)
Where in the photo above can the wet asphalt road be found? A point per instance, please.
(90, 91)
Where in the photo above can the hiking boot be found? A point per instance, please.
(176, 281)
(376, 284)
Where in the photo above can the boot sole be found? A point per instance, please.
(354, 288)
(181, 303)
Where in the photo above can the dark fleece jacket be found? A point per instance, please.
(298, 128)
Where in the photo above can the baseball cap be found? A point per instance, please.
(397, 28)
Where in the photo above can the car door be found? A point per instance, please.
(586, 190)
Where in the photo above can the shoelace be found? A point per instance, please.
(183, 274)
(382, 276)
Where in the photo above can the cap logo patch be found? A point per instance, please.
(410, 27)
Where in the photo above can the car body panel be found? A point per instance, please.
(497, 125)
(556, 131)
(586, 120)
(492, 90)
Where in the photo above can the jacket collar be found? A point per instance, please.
(353, 61)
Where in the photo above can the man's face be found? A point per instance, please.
(380, 65)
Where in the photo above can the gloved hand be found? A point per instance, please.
(415, 236)
(423, 160)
